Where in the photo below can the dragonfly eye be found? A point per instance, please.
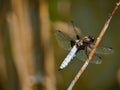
(87, 39)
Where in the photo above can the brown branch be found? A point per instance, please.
(46, 47)
(95, 46)
(21, 43)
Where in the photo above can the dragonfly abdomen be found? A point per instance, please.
(69, 57)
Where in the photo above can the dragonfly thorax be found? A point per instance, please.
(79, 42)
(89, 39)
(84, 42)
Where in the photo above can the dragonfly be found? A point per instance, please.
(79, 46)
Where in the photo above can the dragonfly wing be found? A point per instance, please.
(96, 60)
(67, 28)
(82, 56)
(103, 50)
(63, 40)
(73, 30)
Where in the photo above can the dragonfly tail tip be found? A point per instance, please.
(59, 69)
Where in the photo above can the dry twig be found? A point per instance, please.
(95, 46)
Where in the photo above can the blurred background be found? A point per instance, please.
(30, 55)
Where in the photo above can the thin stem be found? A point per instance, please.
(95, 46)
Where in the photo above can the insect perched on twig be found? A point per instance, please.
(80, 47)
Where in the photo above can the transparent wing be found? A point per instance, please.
(67, 28)
(73, 30)
(82, 56)
(103, 50)
(63, 40)
(96, 59)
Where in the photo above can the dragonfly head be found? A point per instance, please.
(92, 38)
(89, 39)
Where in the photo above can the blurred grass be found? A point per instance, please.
(22, 56)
